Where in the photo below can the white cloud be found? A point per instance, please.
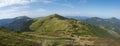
(13, 2)
(16, 11)
(68, 5)
(47, 1)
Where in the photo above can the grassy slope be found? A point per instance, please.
(55, 25)
(8, 39)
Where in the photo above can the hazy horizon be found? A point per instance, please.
(38, 8)
(61, 15)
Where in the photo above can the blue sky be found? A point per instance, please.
(37, 8)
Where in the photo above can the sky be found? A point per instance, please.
(38, 8)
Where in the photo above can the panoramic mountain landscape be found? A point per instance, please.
(59, 23)
(55, 30)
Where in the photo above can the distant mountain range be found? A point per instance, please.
(20, 23)
(77, 17)
(111, 24)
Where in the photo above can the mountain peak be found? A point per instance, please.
(96, 18)
(56, 16)
(22, 17)
(113, 18)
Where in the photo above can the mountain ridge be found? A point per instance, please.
(53, 24)
(56, 30)
(17, 24)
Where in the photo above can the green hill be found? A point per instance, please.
(56, 25)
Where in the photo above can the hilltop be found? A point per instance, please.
(61, 26)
